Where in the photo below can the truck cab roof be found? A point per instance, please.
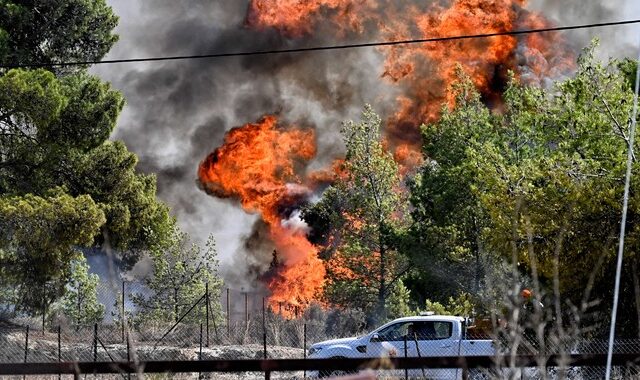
(446, 318)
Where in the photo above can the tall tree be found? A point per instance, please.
(55, 152)
(448, 221)
(38, 236)
(367, 205)
(544, 177)
(80, 302)
(50, 31)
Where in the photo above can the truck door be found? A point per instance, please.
(388, 341)
(432, 338)
(429, 339)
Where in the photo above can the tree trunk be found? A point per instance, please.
(478, 264)
(175, 303)
(382, 290)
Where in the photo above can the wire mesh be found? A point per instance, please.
(238, 327)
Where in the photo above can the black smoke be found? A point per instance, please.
(178, 111)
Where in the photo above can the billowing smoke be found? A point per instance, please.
(179, 111)
(616, 42)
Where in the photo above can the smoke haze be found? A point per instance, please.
(177, 112)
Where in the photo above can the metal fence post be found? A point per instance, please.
(415, 339)
(207, 309)
(228, 316)
(122, 313)
(128, 349)
(406, 370)
(200, 353)
(26, 344)
(26, 348)
(304, 347)
(95, 342)
(246, 307)
(59, 350)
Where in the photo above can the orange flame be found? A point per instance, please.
(295, 18)
(424, 71)
(257, 165)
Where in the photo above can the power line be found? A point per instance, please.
(623, 222)
(322, 48)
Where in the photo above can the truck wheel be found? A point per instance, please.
(330, 373)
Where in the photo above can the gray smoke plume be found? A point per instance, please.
(177, 112)
(616, 42)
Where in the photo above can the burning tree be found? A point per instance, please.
(259, 166)
(365, 207)
(421, 73)
(424, 71)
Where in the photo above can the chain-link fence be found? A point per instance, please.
(241, 325)
(283, 339)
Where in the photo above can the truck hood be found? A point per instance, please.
(333, 342)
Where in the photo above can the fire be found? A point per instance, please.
(257, 165)
(424, 71)
(295, 18)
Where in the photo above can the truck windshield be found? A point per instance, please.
(417, 330)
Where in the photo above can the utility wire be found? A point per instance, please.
(321, 48)
(623, 223)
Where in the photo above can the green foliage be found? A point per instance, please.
(135, 218)
(180, 274)
(357, 219)
(462, 305)
(51, 31)
(561, 159)
(80, 301)
(398, 301)
(49, 125)
(448, 218)
(4, 42)
(38, 236)
(372, 173)
(629, 68)
(55, 135)
(88, 117)
(539, 185)
(31, 98)
(55, 152)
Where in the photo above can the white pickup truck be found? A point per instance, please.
(424, 336)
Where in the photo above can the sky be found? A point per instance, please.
(177, 112)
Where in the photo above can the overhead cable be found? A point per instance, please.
(318, 48)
